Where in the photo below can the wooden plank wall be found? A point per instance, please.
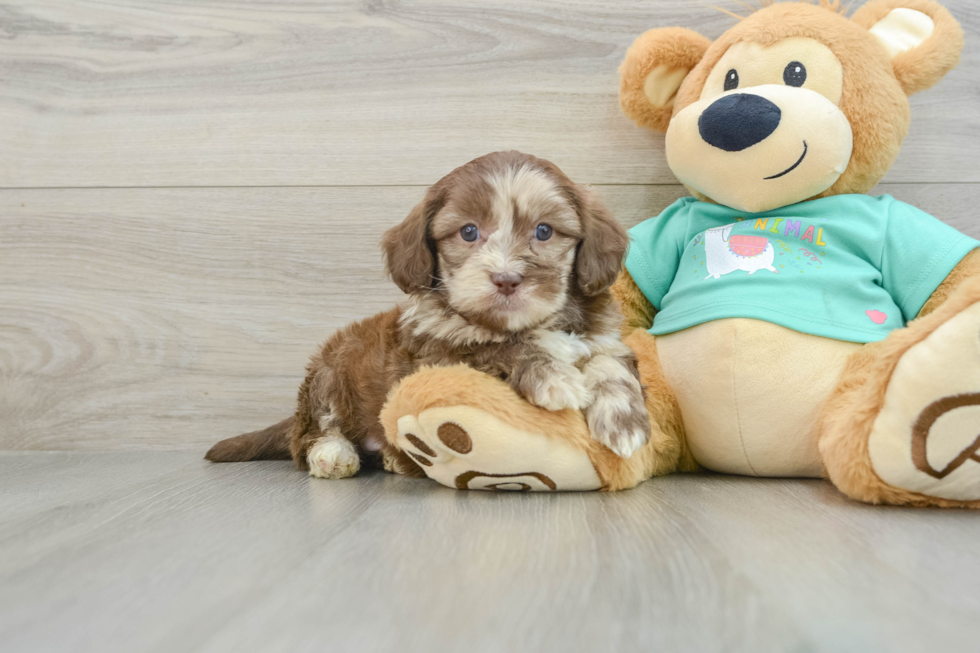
(192, 192)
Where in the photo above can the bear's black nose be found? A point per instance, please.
(738, 121)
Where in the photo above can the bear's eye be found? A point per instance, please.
(794, 74)
(731, 80)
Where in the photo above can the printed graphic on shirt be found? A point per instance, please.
(727, 252)
(795, 256)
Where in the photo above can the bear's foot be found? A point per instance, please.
(926, 439)
(903, 425)
(468, 430)
(468, 448)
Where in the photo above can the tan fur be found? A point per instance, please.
(456, 313)
(662, 405)
(638, 312)
(968, 268)
(672, 47)
(851, 410)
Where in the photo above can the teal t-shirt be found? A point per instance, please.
(848, 267)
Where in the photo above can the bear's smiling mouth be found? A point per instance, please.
(792, 167)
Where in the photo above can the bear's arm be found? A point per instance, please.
(968, 268)
(638, 312)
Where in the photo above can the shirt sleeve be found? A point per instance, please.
(918, 254)
(655, 250)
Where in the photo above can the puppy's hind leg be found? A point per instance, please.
(333, 456)
(329, 454)
(317, 443)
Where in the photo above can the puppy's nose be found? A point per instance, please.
(738, 121)
(506, 282)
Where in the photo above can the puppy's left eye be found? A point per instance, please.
(469, 233)
(543, 232)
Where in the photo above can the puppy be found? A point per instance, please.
(507, 265)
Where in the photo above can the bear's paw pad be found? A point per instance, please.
(470, 449)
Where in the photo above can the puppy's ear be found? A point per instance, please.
(652, 72)
(600, 254)
(922, 38)
(408, 248)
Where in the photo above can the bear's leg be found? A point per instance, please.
(468, 430)
(903, 425)
(471, 431)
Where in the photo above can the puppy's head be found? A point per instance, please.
(507, 240)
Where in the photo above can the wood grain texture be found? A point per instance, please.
(304, 92)
(162, 552)
(169, 318)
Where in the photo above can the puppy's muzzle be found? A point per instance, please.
(506, 282)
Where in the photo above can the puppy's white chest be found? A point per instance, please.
(565, 347)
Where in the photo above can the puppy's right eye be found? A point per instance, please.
(731, 79)
(469, 233)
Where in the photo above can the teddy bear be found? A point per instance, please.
(786, 323)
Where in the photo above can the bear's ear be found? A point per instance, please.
(654, 67)
(922, 38)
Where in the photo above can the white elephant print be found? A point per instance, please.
(726, 253)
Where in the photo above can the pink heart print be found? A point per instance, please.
(877, 316)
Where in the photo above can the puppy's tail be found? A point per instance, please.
(268, 444)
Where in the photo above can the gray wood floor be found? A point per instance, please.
(165, 552)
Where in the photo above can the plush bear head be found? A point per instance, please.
(794, 102)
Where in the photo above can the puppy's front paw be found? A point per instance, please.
(618, 417)
(333, 457)
(555, 387)
(619, 420)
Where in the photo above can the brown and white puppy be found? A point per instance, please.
(507, 265)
